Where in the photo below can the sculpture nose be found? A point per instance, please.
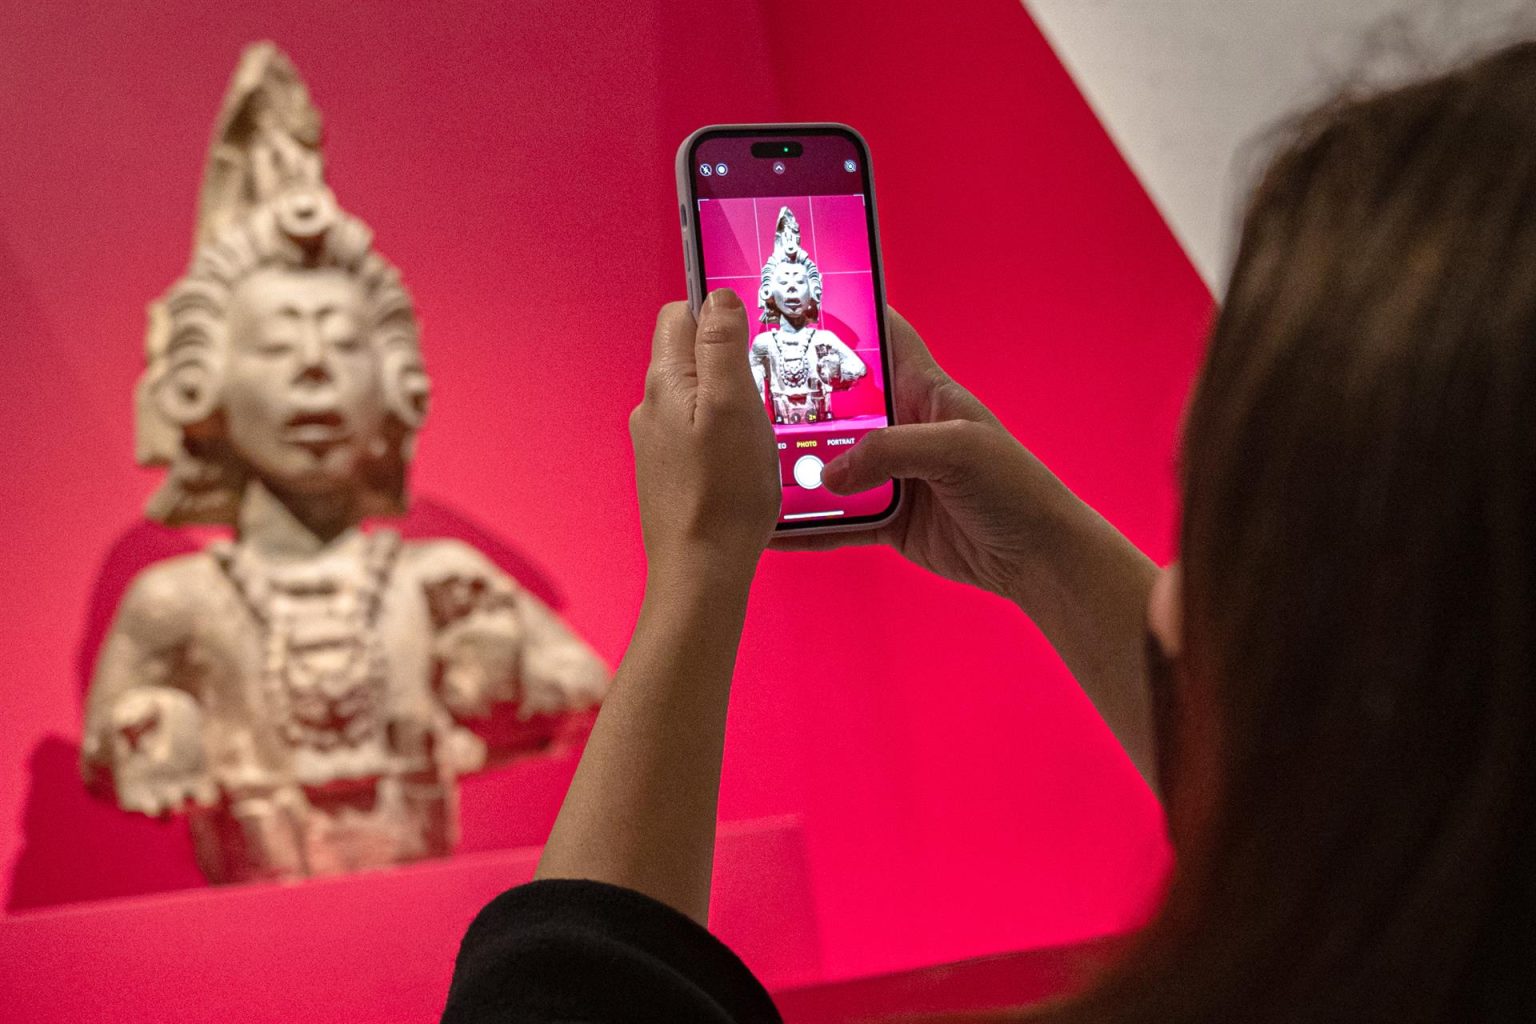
(314, 366)
(315, 373)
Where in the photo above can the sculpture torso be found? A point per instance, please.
(793, 359)
(801, 366)
(331, 696)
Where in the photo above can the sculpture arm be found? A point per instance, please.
(498, 644)
(760, 359)
(844, 363)
(143, 741)
(559, 671)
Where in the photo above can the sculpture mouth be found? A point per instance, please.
(323, 428)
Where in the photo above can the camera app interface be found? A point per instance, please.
(791, 235)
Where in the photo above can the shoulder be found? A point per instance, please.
(455, 580)
(163, 596)
(762, 341)
(445, 556)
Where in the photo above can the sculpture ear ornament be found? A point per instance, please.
(183, 377)
(407, 389)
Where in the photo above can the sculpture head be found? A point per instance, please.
(288, 353)
(789, 292)
(791, 282)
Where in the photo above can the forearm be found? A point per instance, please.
(1087, 591)
(641, 808)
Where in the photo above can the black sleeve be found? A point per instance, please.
(568, 950)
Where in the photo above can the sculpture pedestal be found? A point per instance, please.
(373, 947)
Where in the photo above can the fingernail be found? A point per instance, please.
(724, 298)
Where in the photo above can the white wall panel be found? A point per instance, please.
(1183, 85)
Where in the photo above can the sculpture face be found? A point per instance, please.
(303, 398)
(790, 290)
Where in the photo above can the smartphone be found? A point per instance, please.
(785, 215)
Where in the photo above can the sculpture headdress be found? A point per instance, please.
(786, 249)
(264, 203)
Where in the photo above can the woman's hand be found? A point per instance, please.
(641, 809)
(706, 466)
(982, 510)
(979, 507)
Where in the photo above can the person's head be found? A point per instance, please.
(288, 353)
(1350, 723)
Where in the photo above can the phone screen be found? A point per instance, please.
(789, 223)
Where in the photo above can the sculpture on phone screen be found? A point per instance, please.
(797, 363)
(307, 692)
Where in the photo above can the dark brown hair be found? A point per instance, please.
(1359, 552)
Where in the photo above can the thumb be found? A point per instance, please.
(935, 452)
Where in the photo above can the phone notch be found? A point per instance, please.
(777, 150)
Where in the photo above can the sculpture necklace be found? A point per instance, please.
(796, 356)
(322, 660)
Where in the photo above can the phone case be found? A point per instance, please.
(683, 167)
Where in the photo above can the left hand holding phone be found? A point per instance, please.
(641, 809)
(706, 465)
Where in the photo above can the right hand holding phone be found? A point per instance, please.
(978, 506)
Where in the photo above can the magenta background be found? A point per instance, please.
(737, 235)
(959, 795)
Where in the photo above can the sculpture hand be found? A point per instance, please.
(478, 655)
(705, 463)
(559, 678)
(156, 744)
(979, 507)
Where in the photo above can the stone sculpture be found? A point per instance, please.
(798, 364)
(307, 692)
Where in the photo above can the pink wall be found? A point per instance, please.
(958, 795)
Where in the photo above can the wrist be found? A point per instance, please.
(699, 572)
(1047, 536)
(1065, 545)
(1078, 559)
(696, 608)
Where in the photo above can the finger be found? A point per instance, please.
(908, 350)
(672, 344)
(936, 452)
(720, 349)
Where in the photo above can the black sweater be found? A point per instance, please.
(574, 951)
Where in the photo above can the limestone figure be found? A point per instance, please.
(306, 692)
(798, 365)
